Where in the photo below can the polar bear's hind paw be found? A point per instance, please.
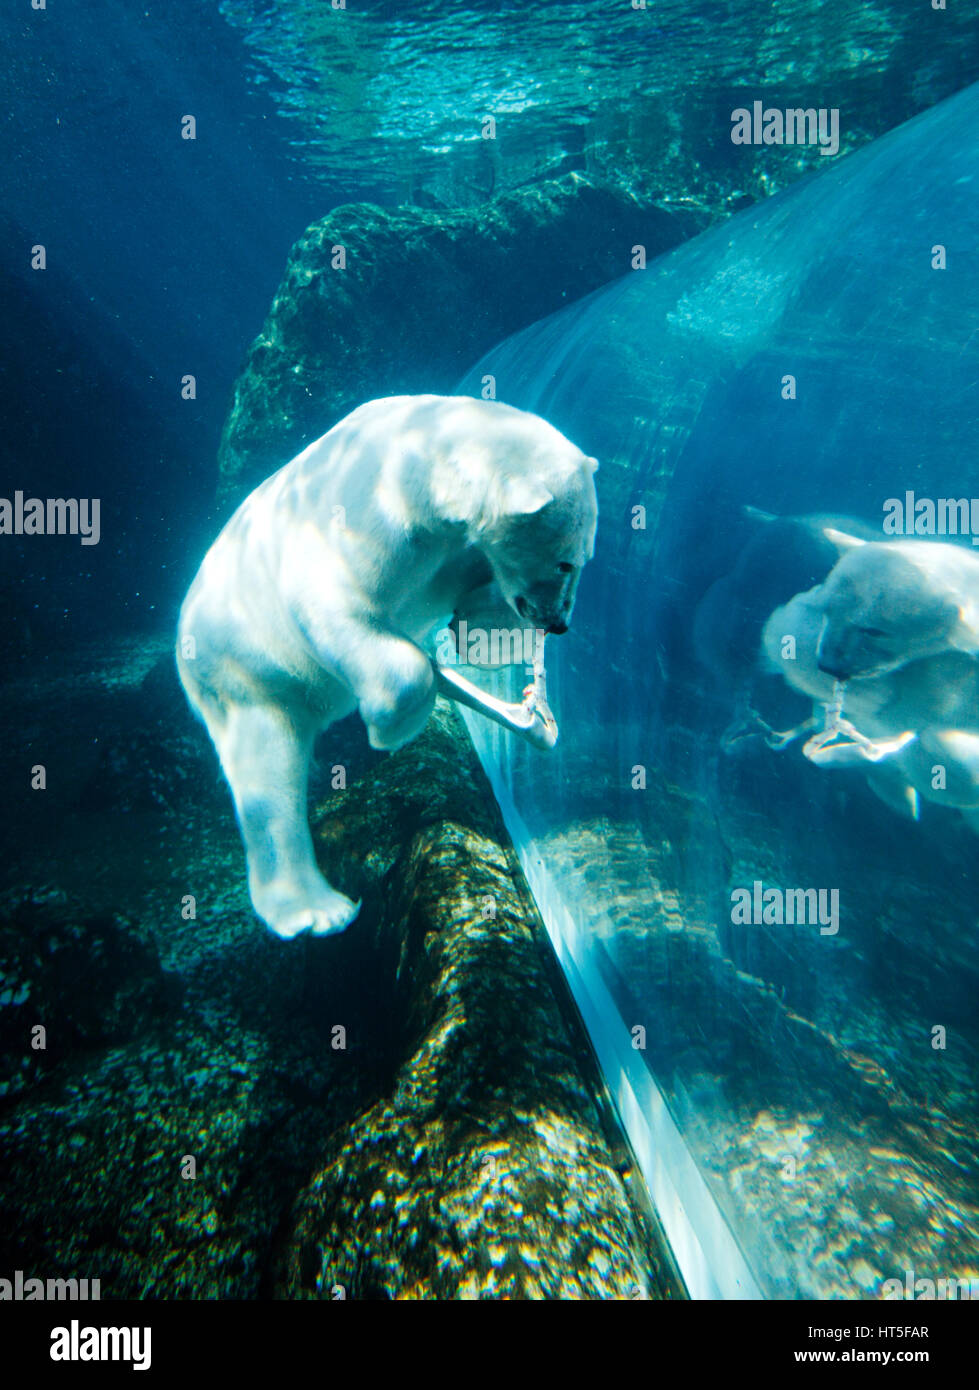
(321, 913)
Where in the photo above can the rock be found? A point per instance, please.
(149, 754)
(484, 1169)
(87, 981)
(464, 1097)
(423, 294)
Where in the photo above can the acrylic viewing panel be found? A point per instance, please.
(777, 962)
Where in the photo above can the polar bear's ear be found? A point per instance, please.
(964, 636)
(592, 464)
(521, 496)
(842, 539)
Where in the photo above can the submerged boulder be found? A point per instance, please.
(378, 301)
(68, 984)
(408, 1109)
(485, 1168)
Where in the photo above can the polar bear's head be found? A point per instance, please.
(524, 496)
(881, 608)
(539, 535)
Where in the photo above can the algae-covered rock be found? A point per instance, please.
(377, 302)
(198, 1125)
(68, 984)
(485, 1169)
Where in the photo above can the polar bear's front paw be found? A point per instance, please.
(290, 911)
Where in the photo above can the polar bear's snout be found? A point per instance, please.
(835, 657)
(551, 615)
(548, 603)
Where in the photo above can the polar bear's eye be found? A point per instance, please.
(565, 568)
(873, 632)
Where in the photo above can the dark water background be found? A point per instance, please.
(163, 255)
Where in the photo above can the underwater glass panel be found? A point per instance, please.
(802, 1094)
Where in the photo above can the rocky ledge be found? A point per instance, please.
(415, 298)
(407, 1110)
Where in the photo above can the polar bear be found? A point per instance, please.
(888, 602)
(887, 647)
(315, 598)
(779, 556)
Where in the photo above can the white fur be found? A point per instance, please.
(911, 682)
(313, 601)
(888, 602)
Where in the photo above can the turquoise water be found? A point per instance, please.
(800, 1099)
(399, 92)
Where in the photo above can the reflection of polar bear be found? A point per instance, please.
(312, 601)
(886, 646)
(780, 556)
(888, 602)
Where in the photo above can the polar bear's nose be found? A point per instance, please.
(558, 628)
(832, 667)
